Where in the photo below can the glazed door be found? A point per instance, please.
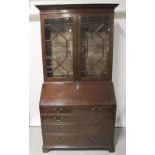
(58, 33)
(95, 46)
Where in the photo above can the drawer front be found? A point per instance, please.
(85, 128)
(77, 140)
(88, 109)
(101, 119)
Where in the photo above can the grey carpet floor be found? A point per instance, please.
(36, 145)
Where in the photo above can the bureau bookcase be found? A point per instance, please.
(77, 103)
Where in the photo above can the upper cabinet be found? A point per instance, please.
(77, 42)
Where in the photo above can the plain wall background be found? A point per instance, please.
(119, 58)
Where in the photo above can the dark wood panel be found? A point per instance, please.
(105, 119)
(70, 94)
(81, 141)
(77, 6)
(79, 109)
(78, 128)
(48, 9)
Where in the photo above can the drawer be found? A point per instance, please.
(77, 128)
(98, 118)
(80, 141)
(78, 109)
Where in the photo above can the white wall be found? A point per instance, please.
(119, 58)
(119, 68)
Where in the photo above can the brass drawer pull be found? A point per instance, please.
(96, 127)
(95, 139)
(58, 110)
(59, 127)
(96, 108)
(58, 118)
(94, 118)
(60, 139)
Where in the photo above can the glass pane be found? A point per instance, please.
(95, 33)
(59, 47)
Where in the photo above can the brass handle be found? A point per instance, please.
(96, 127)
(54, 109)
(94, 118)
(95, 139)
(60, 139)
(59, 127)
(58, 110)
(58, 118)
(96, 108)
